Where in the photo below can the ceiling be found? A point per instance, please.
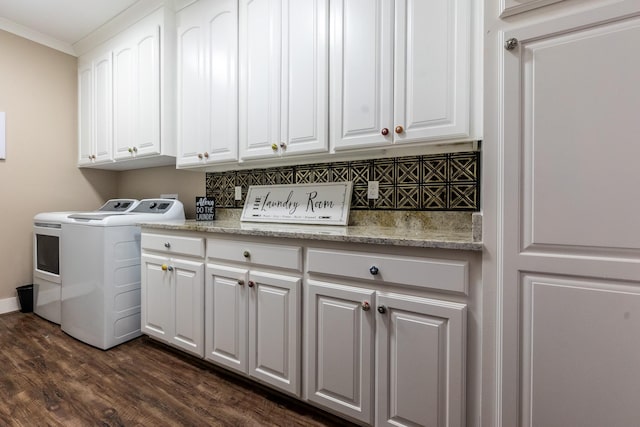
(62, 22)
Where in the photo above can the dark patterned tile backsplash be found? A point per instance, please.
(420, 183)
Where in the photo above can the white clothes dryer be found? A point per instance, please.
(101, 268)
(47, 237)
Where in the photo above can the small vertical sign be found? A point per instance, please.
(3, 153)
(205, 209)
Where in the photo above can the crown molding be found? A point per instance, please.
(35, 36)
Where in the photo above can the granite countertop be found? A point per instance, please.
(398, 231)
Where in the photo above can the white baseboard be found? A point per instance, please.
(8, 305)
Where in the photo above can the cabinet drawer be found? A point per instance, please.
(192, 246)
(441, 274)
(281, 256)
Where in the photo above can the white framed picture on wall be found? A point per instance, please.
(2, 136)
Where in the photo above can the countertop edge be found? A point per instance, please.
(447, 240)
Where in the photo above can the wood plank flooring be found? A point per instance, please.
(50, 379)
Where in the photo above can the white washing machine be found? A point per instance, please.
(47, 238)
(101, 268)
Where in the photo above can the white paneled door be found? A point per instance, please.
(569, 304)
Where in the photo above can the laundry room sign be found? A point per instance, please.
(205, 209)
(321, 203)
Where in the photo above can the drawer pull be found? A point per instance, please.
(382, 309)
(251, 283)
(374, 270)
(241, 282)
(366, 306)
(167, 245)
(246, 254)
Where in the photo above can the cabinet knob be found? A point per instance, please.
(511, 43)
(240, 282)
(366, 306)
(399, 129)
(382, 309)
(246, 254)
(374, 270)
(135, 149)
(170, 268)
(206, 155)
(167, 245)
(283, 145)
(200, 156)
(274, 146)
(385, 131)
(130, 150)
(251, 283)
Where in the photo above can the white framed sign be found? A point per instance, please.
(3, 152)
(322, 203)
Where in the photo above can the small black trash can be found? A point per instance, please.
(25, 295)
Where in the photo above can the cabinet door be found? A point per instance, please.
(156, 297)
(208, 83)
(85, 113)
(339, 349)
(147, 94)
(283, 77)
(260, 38)
(420, 359)
(136, 94)
(361, 70)
(304, 110)
(102, 129)
(274, 330)
(432, 70)
(221, 81)
(123, 101)
(226, 316)
(188, 305)
(191, 126)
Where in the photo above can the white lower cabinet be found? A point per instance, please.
(172, 295)
(379, 356)
(339, 351)
(252, 317)
(378, 348)
(420, 361)
(172, 290)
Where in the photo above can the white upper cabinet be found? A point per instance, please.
(126, 97)
(402, 80)
(283, 77)
(94, 110)
(136, 95)
(207, 89)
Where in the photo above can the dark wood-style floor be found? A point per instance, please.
(49, 379)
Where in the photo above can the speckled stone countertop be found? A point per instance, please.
(442, 230)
